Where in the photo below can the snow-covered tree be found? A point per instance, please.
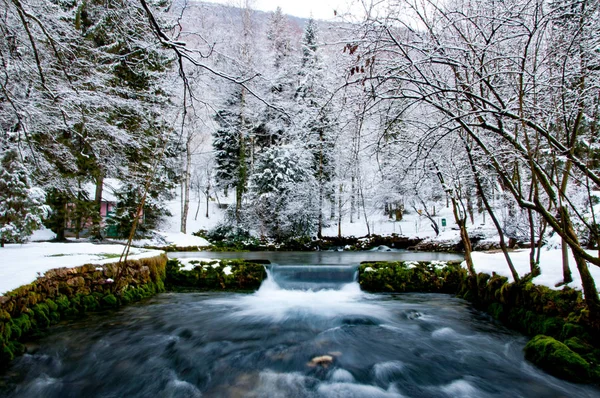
(21, 205)
(280, 194)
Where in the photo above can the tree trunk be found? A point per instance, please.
(340, 212)
(567, 277)
(207, 198)
(186, 184)
(352, 200)
(321, 186)
(483, 198)
(592, 300)
(97, 219)
(470, 208)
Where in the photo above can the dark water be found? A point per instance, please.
(325, 257)
(264, 345)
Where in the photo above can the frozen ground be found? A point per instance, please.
(21, 264)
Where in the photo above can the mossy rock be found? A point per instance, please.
(89, 303)
(579, 346)
(52, 306)
(21, 325)
(110, 300)
(557, 359)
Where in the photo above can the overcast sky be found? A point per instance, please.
(320, 9)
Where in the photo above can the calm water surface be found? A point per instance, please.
(325, 257)
(265, 344)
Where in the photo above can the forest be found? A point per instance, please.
(486, 108)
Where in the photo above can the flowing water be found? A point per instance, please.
(307, 332)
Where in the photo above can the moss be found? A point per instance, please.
(110, 300)
(4, 316)
(552, 327)
(52, 306)
(572, 330)
(206, 276)
(557, 359)
(21, 325)
(41, 314)
(496, 310)
(579, 346)
(89, 303)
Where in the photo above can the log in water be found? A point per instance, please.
(294, 337)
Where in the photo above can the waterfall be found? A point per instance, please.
(312, 277)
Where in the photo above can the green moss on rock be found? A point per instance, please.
(557, 359)
(110, 300)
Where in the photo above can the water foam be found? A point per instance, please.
(277, 304)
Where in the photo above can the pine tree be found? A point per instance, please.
(314, 116)
(231, 146)
(280, 194)
(21, 205)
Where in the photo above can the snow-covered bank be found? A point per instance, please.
(550, 264)
(21, 264)
(177, 239)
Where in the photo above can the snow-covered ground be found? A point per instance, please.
(550, 264)
(179, 239)
(21, 264)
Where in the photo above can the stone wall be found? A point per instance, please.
(65, 293)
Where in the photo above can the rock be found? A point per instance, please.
(76, 281)
(323, 360)
(557, 359)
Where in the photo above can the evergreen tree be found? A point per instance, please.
(21, 205)
(280, 196)
(231, 146)
(314, 116)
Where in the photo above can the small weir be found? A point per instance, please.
(312, 277)
(309, 331)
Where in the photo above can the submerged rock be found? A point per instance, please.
(323, 360)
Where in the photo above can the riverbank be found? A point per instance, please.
(71, 292)
(562, 332)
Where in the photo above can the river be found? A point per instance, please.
(307, 332)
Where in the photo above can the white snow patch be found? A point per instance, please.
(43, 234)
(178, 239)
(190, 263)
(227, 270)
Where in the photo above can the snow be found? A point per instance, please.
(178, 239)
(189, 263)
(42, 234)
(550, 264)
(111, 185)
(21, 264)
